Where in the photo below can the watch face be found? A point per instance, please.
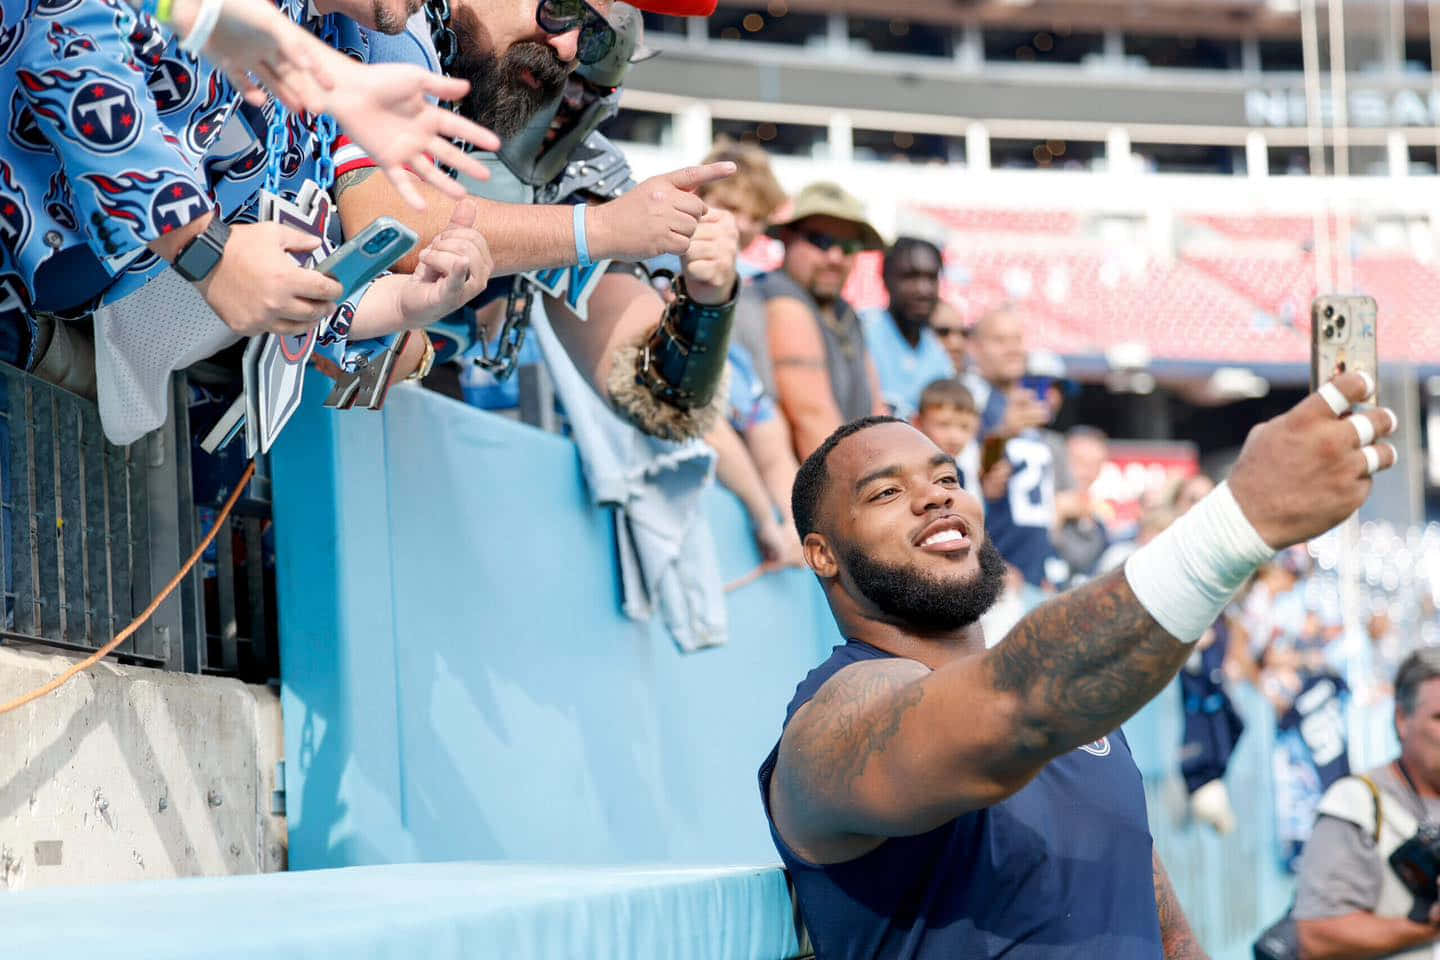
(200, 256)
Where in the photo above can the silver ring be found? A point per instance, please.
(1334, 398)
(1372, 460)
(1364, 428)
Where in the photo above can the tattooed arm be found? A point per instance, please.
(1175, 932)
(889, 748)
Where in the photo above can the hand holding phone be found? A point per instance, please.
(368, 254)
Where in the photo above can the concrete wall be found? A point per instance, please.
(128, 773)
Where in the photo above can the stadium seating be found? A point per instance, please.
(1236, 290)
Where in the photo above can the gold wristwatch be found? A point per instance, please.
(427, 360)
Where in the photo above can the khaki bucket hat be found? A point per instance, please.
(826, 199)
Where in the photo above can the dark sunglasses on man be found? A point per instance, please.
(944, 333)
(597, 37)
(824, 241)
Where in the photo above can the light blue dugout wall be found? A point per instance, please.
(459, 682)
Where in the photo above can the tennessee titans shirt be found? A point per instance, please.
(1061, 869)
(114, 138)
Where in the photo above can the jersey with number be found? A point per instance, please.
(1019, 523)
(1311, 752)
(1317, 719)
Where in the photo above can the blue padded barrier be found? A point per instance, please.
(456, 911)
(459, 680)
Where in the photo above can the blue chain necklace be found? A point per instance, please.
(324, 128)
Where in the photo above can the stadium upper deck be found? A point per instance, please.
(1201, 87)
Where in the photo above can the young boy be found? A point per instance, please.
(949, 417)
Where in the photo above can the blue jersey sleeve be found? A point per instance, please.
(131, 179)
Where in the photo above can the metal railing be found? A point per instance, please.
(90, 531)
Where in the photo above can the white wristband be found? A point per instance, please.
(203, 27)
(1186, 575)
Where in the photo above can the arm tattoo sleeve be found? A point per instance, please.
(1175, 933)
(353, 179)
(838, 753)
(1081, 664)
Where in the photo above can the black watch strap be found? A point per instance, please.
(199, 258)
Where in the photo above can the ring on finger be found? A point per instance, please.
(1372, 460)
(1334, 398)
(1364, 428)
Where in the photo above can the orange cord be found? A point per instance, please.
(145, 614)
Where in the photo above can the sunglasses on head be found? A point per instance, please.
(824, 241)
(597, 37)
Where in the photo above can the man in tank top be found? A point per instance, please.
(933, 798)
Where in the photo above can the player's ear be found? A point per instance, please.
(819, 556)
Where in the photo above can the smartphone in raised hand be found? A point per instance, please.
(1343, 339)
(368, 254)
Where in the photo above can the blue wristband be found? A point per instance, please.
(582, 246)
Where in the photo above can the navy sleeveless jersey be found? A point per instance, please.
(1061, 869)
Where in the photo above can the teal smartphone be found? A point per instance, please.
(368, 254)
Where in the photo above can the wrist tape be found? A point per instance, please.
(1186, 575)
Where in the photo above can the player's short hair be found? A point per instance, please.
(812, 479)
(1420, 666)
(948, 392)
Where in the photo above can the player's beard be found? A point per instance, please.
(929, 604)
(499, 97)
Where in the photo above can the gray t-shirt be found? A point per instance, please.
(1341, 871)
(752, 332)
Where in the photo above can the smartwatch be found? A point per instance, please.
(198, 258)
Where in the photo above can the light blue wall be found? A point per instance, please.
(470, 690)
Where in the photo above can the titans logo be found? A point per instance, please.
(10, 38)
(172, 84)
(15, 219)
(131, 198)
(59, 204)
(54, 8)
(24, 132)
(210, 117)
(67, 43)
(89, 108)
(175, 206)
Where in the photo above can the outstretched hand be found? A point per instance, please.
(452, 271)
(382, 107)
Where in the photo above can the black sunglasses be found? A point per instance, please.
(823, 242)
(597, 37)
(943, 332)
